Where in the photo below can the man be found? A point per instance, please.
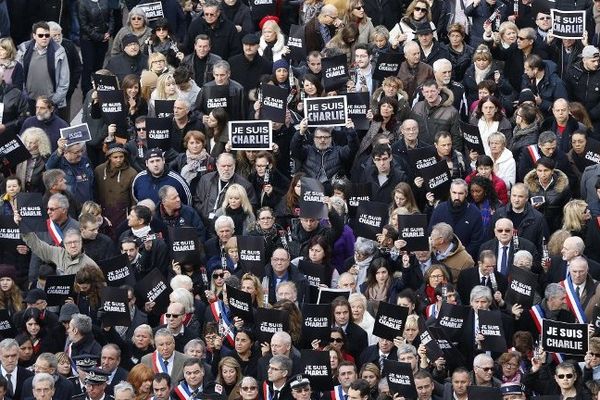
(581, 289)
(37, 298)
(236, 100)
(436, 113)
(442, 70)
(201, 61)
(81, 365)
(183, 122)
(464, 217)
(512, 391)
(424, 384)
(161, 387)
(547, 146)
(363, 78)
(528, 222)
(320, 158)
(347, 281)
(287, 290)
(175, 214)
(300, 386)
(456, 389)
(553, 307)
(384, 349)
(408, 141)
(248, 67)
(319, 30)
(431, 49)
(356, 337)
(47, 363)
(360, 390)
(562, 123)
(194, 382)
(346, 375)
(165, 358)
(77, 167)
(506, 244)
(384, 175)
(407, 353)
(222, 32)
(572, 247)
(96, 382)
(96, 245)
(281, 270)
(147, 183)
(583, 84)
(413, 72)
(310, 227)
(80, 337)
(74, 61)
(44, 387)
(45, 66)
(138, 317)
(124, 391)
(275, 387)
(211, 189)
(114, 179)
(110, 359)
(311, 66)
(540, 76)
(591, 363)
(137, 146)
(483, 371)
(485, 274)
(281, 344)
(45, 118)
(130, 61)
(14, 375)
(181, 333)
(448, 250)
(224, 228)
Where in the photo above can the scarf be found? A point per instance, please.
(362, 269)
(430, 292)
(480, 74)
(378, 293)
(193, 163)
(268, 51)
(518, 132)
(141, 232)
(596, 15)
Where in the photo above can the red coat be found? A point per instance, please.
(499, 186)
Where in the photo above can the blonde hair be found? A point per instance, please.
(556, 240)
(573, 218)
(183, 297)
(507, 25)
(91, 207)
(155, 57)
(40, 136)
(8, 45)
(161, 86)
(259, 297)
(412, 321)
(273, 25)
(237, 189)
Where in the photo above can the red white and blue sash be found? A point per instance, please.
(431, 311)
(55, 232)
(533, 153)
(182, 391)
(337, 393)
(538, 315)
(267, 394)
(158, 364)
(573, 301)
(220, 314)
(69, 351)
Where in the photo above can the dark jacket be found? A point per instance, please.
(527, 164)
(301, 238)
(224, 38)
(438, 51)
(15, 109)
(185, 216)
(75, 65)
(294, 275)
(96, 19)
(123, 64)
(384, 12)
(145, 186)
(460, 61)
(442, 117)
(549, 88)
(207, 76)
(51, 126)
(564, 138)
(469, 278)
(383, 193)
(240, 15)
(584, 86)
(247, 72)
(505, 90)
(79, 177)
(556, 196)
(236, 103)
(466, 223)
(532, 227)
(100, 248)
(522, 244)
(480, 13)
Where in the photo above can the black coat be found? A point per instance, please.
(383, 193)
(96, 19)
(356, 340)
(22, 375)
(533, 226)
(224, 38)
(524, 244)
(63, 388)
(122, 65)
(469, 278)
(15, 109)
(558, 269)
(371, 355)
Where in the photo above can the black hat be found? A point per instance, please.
(128, 39)
(161, 23)
(155, 152)
(86, 361)
(34, 295)
(424, 29)
(67, 311)
(299, 381)
(526, 95)
(250, 38)
(96, 376)
(116, 148)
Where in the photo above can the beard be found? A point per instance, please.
(457, 203)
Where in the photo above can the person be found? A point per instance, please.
(247, 67)
(124, 391)
(46, 364)
(13, 70)
(547, 146)
(281, 270)
(140, 377)
(79, 174)
(431, 49)
(130, 60)
(413, 72)
(161, 386)
(566, 380)
(46, 119)
(485, 274)
(356, 13)
(271, 45)
(347, 374)
(280, 368)
(14, 375)
(503, 160)
(164, 41)
(173, 213)
(201, 61)
(195, 161)
(15, 105)
(319, 30)
(541, 77)
(236, 104)
(448, 249)
(165, 351)
(110, 358)
(237, 205)
(582, 76)
(418, 13)
(137, 25)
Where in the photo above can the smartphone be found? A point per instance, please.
(537, 200)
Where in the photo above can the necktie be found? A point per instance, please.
(10, 385)
(578, 291)
(166, 365)
(504, 264)
(275, 394)
(483, 280)
(381, 358)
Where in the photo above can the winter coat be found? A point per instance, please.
(211, 59)
(208, 199)
(294, 275)
(584, 86)
(173, 11)
(505, 90)
(185, 216)
(564, 138)
(36, 183)
(277, 50)
(556, 196)
(407, 27)
(51, 126)
(533, 226)
(117, 47)
(479, 14)
(240, 15)
(438, 51)
(458, 259)
(549, 88)
(521, 138)
(442, 117)
(123, 64)
(113, 188)
(224, 38)
(410, 80)
(236, 104)
(466, 223)
(505, 167)
(460, 61)
(15, 108)
(79, 177)
(95, 19)
(146, 186)
(384, 12)
(497, 183)
(527, 163)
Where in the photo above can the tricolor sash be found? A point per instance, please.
(182, 391)
(533, 152)
(55, 232)
(431, 311)
(267, 394)
(573, 301)
(537, 314)
(69, 351)
(337, 393)
(220, 314)
(158, 364)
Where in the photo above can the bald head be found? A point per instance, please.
(503, 230)
(572, 247)
(578, 269)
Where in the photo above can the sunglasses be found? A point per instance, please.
(563, 376)
(597, 355)
(140, 128)
(336, 340)
(486, 369)
(358, 7)
(209, 14)
(522, 38)
(421, 9)
(136, 18)
(218, 275)
(173, 315)
(543, 18)
(161, 28)
(249, 388)
(43, 35)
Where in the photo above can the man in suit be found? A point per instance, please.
(15, 375)
(581, 287)
(572, 247)
(194, 382)
(356, 337)
(506, 244)
(281, 344)
(110, 359)
(484, 274)
(46, 363)
(384, 349)
(276, 387)
(44, 387)
(321, 28)
(182, 333)
(165, 358)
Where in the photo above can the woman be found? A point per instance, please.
(13, 70)
(564, 52)
(411, 331)
(237, 205)
(370, 373)
(311, 87)
(484, 68)
(552, 185)
(579, 112)
(381, 284)
(484, 166)
(63, 366)
(272, 233)
(295, 319)
(137, 24)
(229, 376)
(344, 42)
(34, 327)
(403, 196)
(335, 358)
(509, 363)
(505, 166)
(269, 183)
(392, 87)
(141, 377)
(166, 89)
(11, 299)
(417, 13)
(161, 41)
(460, 52)
(289, 206)
(564, 382)
(157, 65)
(384, 122)
(142, 343)
(526, 129)
(319, 253)
(8, 201)
(508, 33)
(281, 75)
(248, 389)
(244, 162)
(555, 242)
(26, 356)
(245, 353)
(135, 103)
(483, 195)
(436, 275)
(30, 172)
(365, 250)
(337, 341)
(96, 22)
(251, 284)
(89, 281)
(196, 161)
(356, 14)
(216, 131)
(576, 217)
(576, 156)
(489, 118)
(272, 42)
(361, 317)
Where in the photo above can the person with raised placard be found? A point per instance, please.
(46, 119)
(279, 270)
(236, 104)
(565, 381)
(78, 171)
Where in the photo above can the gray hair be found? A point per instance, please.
(546, 137)
(224, 220)
(222, 64)
(358, 297)
(124, 387)
(54, 26)
(181, 281)
(8, 344)
(147, 328)
(481, 357)
(577, 242)
(284, 361)
(409, 46)
(82, 323)
(61, 199)
(554, 290)
(444, 230)
(437, 64)
(523, 255)
(114, 347)
(249, 380)
(328, 9)
(185, 101)
(283, 336)
(406, 349)
(194, 343)
(148, 203)
(163, 332)
(521, 186)
(212, 3)
(42, 377)
(220, 156)
(460, 182)
(137, 11)
(365, 246)
(73, 232)
(50, 358)
(164, 190)
(479, 292)
(497, 136)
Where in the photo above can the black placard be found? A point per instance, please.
(10, 236)
(216, 97)
(400, 378)
(371, 216)
(185, 244)
(360, 192)
(158, 131)
(7, 330)
(315, 273)
(312, 199)
(240, 304)
(115, 307)
(154, 288)
(164, 108)
(76, 134)
(490, 326)
(261, 8)
(326, 111)
(437, 178)
(483, 392)
(335, 72)
(596, 320)
(117, 271)
(388, 64)
(562, 337)
(106, 83)
(592, 152)
(389, 320)
(422, 158)
(522, 287)
(250, 135)
(327, 295)
(12, 149)
(472, 137)
(273, 103)
(251, 251)
(32, 212)
(112, 106)
(296, 43)
(453, 356)
(315, 365)
(357, 106)
(433, 348)
(413, 230)
(152, 10)
(268, 321)
(316, 322)
(568, 24)
(451, 319)
(58, 288)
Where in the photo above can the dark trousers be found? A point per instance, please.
(92, 56)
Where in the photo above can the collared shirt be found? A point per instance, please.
(499, 255)
(13, 376)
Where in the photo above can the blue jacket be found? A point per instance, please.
(145, 186)
(467, 224)
(79, 177)
(550, 87)
(188, 216)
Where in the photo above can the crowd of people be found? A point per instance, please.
(527, 201)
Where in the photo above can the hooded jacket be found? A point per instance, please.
(442, 117)
(556, 196)
(113, 189)
(549, 88)
(79, 177)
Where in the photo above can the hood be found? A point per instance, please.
(447, 97)
(458, 246)
(561, 182)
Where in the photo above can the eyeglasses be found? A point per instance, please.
(336, 340)
(218, 275)
(522, 38)
(173, 315)
(272, 368)
(52, 209)
(161, 28)
(486, 369)
(136, 18)
(43, 35)
(249, 388)
(436, 276)
(140, 128)
(209, 14)
(419, 9)
(504, 230)
(563, 376)
(509, 365)
(597, 355)
(543, 18)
